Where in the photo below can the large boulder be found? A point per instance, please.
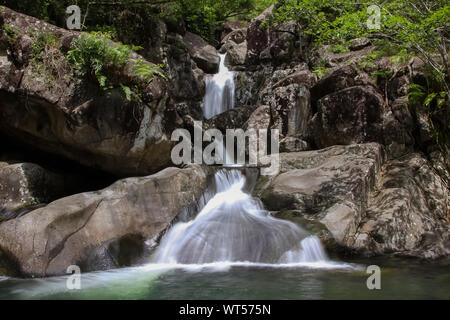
(408, 213)
(257, 36)
(47, 106)
(359, 203)
(352, 115)
(202, 53)
(290, 108)
(187, 80)
(308, 181)
(98, 230)
(275, 45)
(340, 79)
(24, 185)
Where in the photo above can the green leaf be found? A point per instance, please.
(429, 99)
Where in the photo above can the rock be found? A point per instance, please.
(359, 44)
(109, 223)
(290, 108)
(7, 266)
(293, 144)
(313, 181)
(27, 184)
(273, 45)
(259, 119)
(303, 77)
(237, 36)
(398, 128)
(187, 81)
(325, 57)
(257, 37)
(202, 53)
(369, 206)
(236, 53)
(408, 214)
(230, 26)
(352, 115)
(249, 85)
(339, 79)
(70, 116)
(231, 119)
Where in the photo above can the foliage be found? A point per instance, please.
(10, 32)
(145, 71)
(407, 28)
(204, 17)
(94, 54)
(338, 48)
(46, 58)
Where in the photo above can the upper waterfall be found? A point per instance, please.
(219, 95)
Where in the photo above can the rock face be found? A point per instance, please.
(290, 109)
(98, 230)
(202, 53)
(274, 45)
(366, 205)
(73, 117)
(408, 213)
(358, 118)
(27, 184)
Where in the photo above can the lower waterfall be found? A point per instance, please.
(234, 227)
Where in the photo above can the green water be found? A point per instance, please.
(400, 279)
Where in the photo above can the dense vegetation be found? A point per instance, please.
(406, 28)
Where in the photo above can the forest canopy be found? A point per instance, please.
(405, 28)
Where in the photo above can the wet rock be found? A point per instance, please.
(7, 267)
(73, 230)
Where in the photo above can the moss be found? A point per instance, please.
(338, 48)
(11, 33)
(46, 59)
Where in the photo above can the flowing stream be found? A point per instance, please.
(235, 249)
(234, 227)
(219, 93)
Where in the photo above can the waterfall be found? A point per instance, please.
(219, 95)
(234, 227)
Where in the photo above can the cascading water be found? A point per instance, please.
(219, 95)
(234, 227)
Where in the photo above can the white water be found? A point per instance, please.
(234, 227)
(219, 95)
